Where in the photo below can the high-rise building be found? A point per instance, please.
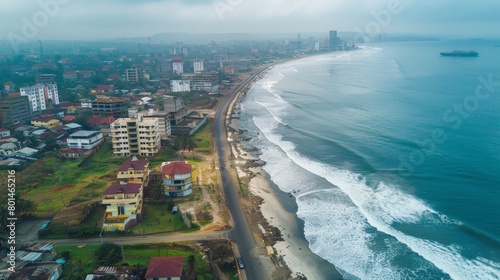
(14, 110)
(41, 96)
(198, 65)
(178, 66)
(134, 75)
(135, 136)
(333, 40)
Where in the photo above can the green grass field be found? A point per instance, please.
(83, 261)
(55, 182)
(159, 218)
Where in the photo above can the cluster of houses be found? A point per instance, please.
(38, 261)
(124, 200)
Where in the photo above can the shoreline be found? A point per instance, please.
(276, 222)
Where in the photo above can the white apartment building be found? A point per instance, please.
(180, 85)
(85, 139)
(178, 66)
(135, 136)
(41, 96)
(198, 65)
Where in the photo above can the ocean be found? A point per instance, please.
(392, 153)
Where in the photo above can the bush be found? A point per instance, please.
(108, 254)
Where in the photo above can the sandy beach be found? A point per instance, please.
(277, 211)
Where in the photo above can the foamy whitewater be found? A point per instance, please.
(334, 130)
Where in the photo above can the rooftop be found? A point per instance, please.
(123, 188)
(175, 167)
(165, 267)
(83, 133)
(134, 163)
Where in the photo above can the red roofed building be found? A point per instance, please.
(177, 178)
(134, 170)
(163, 268)
(123, 206)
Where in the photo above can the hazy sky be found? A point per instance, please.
(97, 19)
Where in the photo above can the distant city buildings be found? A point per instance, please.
(178, 66)
(78, 75)
(198, 65)
(14, 110)
(45, 78)
(135, 136)
(134, 75)
(41, 96)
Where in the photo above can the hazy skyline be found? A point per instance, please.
(96, 19)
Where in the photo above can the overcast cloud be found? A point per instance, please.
(98, 19)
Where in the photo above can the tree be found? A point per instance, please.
(158, 192)
(108, 254)
(191, 268)
(191, 145)
(26, 206)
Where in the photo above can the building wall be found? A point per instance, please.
(135, 137)
(180, 85)
(85, 143)
(41, 96)
(48, 124)
(14, 110)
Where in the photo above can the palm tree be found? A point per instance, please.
(158, 192)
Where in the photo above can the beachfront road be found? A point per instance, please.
(241, 234)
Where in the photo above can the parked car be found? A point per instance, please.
(240, 263)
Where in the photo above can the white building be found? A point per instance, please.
(180, 85)
(135, 136)
(85, 139)
(41, 96)
(198, 65)
(178, 66)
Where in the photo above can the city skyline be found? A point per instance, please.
(72, 20)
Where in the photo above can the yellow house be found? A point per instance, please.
(46, 122)
(134, 170)
(123, 206)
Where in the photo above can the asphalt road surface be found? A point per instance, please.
(241, 234)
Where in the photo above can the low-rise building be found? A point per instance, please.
(46, 122)
(180, 85)
(85, 139)
(177, 178)
(165, 268)
(123, 206)
(109, 107)
(134, 170)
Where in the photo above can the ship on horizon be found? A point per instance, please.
(460, 53)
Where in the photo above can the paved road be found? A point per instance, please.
(152, 238)
(241, 234)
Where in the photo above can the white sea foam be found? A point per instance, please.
(337, 230)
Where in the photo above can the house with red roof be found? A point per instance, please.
(134, 170)
(123, 203)
(176, 177)
(163, 268)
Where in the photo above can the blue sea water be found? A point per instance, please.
(393, 155)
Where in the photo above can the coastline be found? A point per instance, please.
(274, 211)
